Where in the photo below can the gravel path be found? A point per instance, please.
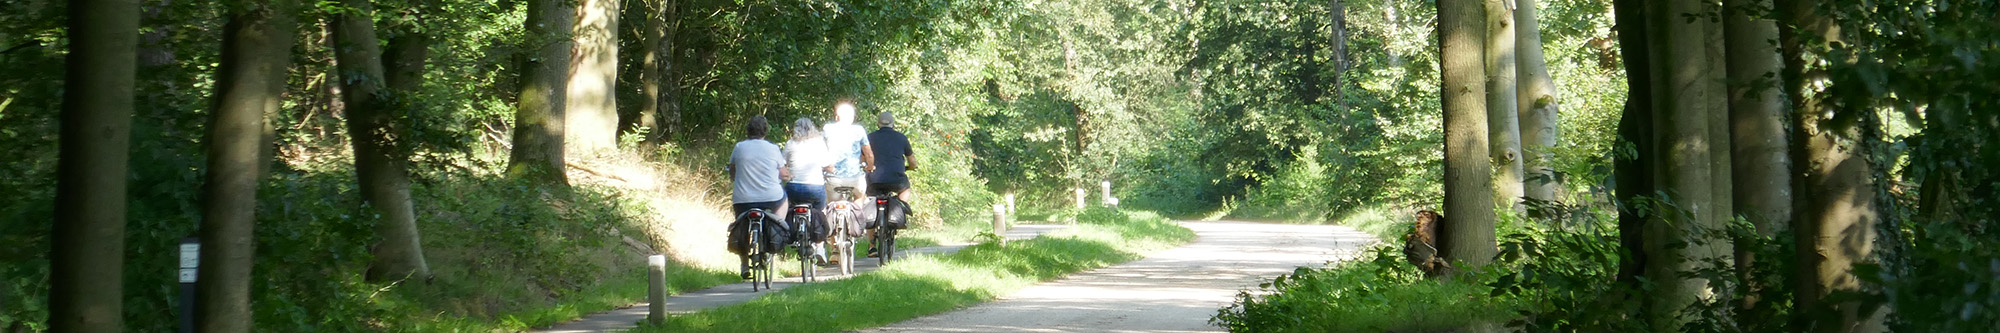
(718, 296)
(1170, 291)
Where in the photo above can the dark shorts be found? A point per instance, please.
(876, 189)
(771, 207)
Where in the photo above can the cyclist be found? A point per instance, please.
(848, 143)
(807, 160)
(756, 168)
(893, 160)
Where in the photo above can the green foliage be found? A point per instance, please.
(921, 285)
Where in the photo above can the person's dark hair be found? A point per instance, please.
(757, 127)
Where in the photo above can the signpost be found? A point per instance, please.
(190, 267)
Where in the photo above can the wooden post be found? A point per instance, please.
(1000, 223)
(656, 296)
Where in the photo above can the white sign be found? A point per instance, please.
(187, 275)
(190, 255)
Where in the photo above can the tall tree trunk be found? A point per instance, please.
(1674, 239)
(1763, 191)
(379, 162)
(1503, 123)
(1715, 99)
(1536, 100)
(538, 123)
(651, 59)
(1338, 50)
(592, 108)
(1834, 220)
(87, 251)
(1634, 172)
(1468, 172)
(256, 52)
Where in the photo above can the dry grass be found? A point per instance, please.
(689, 213)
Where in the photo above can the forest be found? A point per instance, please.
(483, 165)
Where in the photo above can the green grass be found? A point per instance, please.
(922, 285)
(615, 291)
(1382, 295)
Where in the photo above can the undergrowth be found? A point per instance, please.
(921, 285)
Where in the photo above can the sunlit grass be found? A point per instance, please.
(922, 285)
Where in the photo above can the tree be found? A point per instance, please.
(1759, 161)
(591, 109)
(1503, 122)
(1468, 198)
(538, 121)
(1674, 237)
(654, 60)
(1634, 152)
(1536, 97)
(87, 256)
(256, 51)
(379, 161)
(1834, 222)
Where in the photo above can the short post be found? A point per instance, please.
(190, 268)
(1010, 203)
(1080, 195)
(1105, 196)
(1000, 223)
(656, 297)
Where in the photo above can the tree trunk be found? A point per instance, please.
(1633, 172)
(651, 59)
(1503, 122)
(1763, 191)
(1468, 197)
(1834, 220)
(1674, 239)
(592, 107)
(87, 247)
(538, 124)
(1536, 100)
(256, 52)
(1338, 48)
(379, 162)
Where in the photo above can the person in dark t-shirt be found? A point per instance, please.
(893, 159)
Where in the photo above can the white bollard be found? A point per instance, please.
(1080, 195)
(1010, 203)
(1000, 223)
(1105, 196)
(656, 297)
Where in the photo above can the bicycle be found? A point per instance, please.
(884, 240)
(758, 260)
(840, 217)
(801, 220)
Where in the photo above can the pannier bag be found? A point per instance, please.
(776, 234)
(855, 213)
(899, 213)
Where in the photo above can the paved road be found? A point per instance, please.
(1171, 291)
(713, 297)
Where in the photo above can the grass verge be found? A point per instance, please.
(922, 285)
(1382, 295)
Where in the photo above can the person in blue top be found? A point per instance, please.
(756, 174)
(847, 142)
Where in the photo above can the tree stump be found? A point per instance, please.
(1420, 246)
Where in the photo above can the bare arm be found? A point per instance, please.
(867, 158)
(910, 162)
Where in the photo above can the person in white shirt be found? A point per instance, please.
(808, 161)
(852, 158)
